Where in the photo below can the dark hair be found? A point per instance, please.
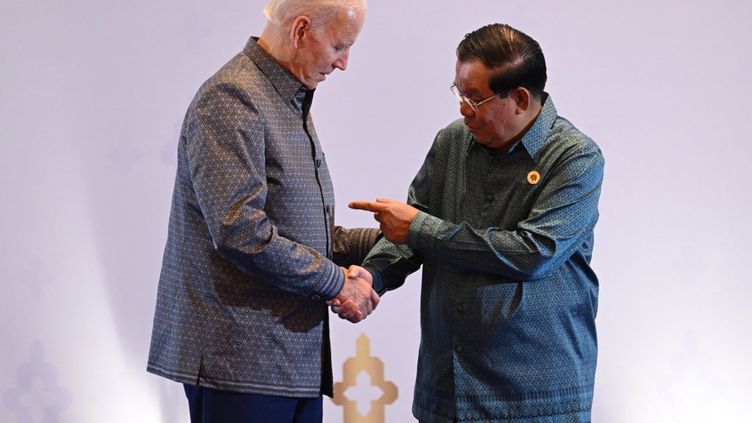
(516, 58)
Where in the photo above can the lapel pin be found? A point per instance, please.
(533, 177)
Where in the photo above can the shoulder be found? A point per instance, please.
(453, 135)
(454, 131)
(233, 92)
(449, 142)
(238, 78)
(565, 140)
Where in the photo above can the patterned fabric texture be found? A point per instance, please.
(508, 300)
(247, 265)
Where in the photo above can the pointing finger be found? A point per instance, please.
(370, 206)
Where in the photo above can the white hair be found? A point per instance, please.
(282, 12)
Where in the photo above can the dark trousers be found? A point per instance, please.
(209, 405)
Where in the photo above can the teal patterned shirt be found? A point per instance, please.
(508, 299)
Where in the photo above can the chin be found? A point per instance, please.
(480, 139)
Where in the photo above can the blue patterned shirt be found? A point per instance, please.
(508, 298)
(252, 245)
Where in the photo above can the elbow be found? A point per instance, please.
(540, 268)
(539, 260)
(232, 241)
(224, 245)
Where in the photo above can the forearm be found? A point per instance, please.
(286, 264)
(517, 255)
(390, 265)
(351, 245)
(558, 223)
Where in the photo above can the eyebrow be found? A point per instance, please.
(469, 91)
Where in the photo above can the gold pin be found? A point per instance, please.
(533, 177)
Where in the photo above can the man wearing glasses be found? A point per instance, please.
(501, 217)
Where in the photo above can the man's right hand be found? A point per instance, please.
(357, 299)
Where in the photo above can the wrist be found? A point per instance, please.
(340, 284)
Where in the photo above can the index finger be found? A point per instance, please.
(370, 206)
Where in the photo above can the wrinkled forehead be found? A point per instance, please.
(347, 23)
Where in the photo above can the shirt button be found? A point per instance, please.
(489, 197)
(318, 162)
(315, 297)
(458, 348)
(460, 308)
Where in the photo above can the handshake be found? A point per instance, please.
(357, 299)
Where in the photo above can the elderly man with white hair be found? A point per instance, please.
(253, 255)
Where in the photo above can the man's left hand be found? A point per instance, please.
(395, 217)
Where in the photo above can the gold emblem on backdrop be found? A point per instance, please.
(364, 369)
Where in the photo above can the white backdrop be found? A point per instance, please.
(93, 94)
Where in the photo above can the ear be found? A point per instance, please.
(522, 98)
(299, 29)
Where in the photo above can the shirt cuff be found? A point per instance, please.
(420, 236)
(378, 281)
(333, 285)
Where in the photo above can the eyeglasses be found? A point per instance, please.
(472, 103)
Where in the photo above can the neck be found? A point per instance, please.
(273, 41)
(531, 116)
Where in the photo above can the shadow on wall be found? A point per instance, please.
(130, 185)
(129, 153)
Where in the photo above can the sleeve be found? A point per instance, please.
(561, 219)
(390, 264)
(351, 245)
(226, 156)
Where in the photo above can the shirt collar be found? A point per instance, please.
(536, 136)
(286, 84)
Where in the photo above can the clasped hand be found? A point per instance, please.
(357, 299)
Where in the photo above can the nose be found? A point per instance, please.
(341, 62)
(466, 110)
